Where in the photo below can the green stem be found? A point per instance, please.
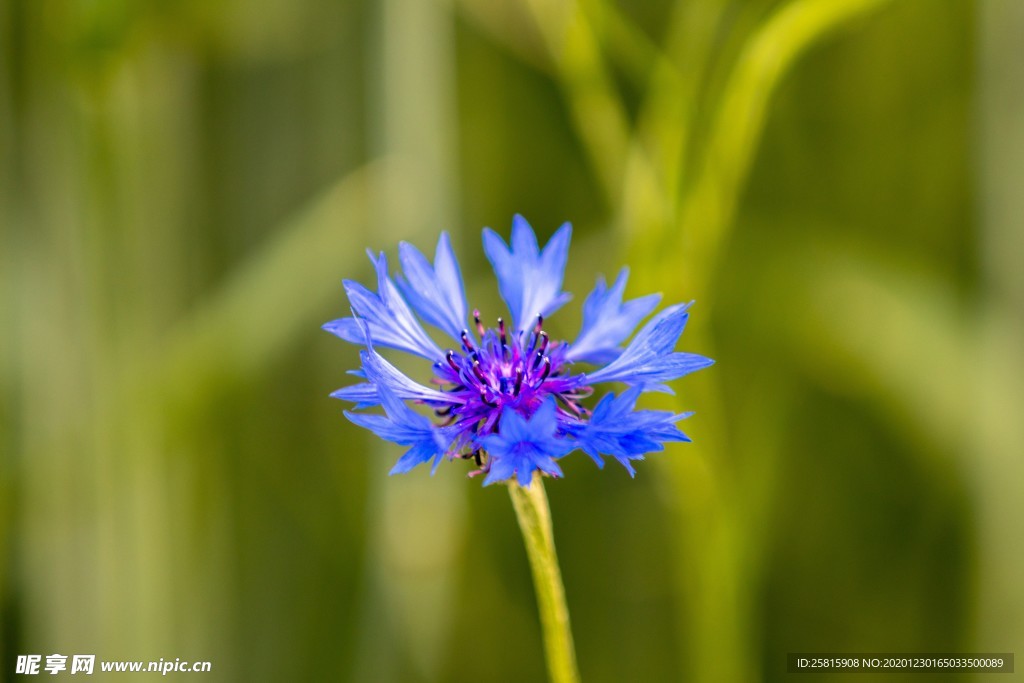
(531, 505)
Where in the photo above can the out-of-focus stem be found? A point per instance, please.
(708, 208)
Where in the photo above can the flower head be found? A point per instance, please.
(510, 397)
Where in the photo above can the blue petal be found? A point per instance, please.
(615, 429)
(500, 470)
(363, 395)
(436, 292)
(382, 373)
(403, 426)
(525, 445)
(420, 453)
(649, 359)
(530, 280)
(607, 321)
(386, 315)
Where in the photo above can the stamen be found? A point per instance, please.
(537, 359)
(547, 369)
(504, 339)
(466, 343)
(478, 372)
(487, 402)
(544, 339)
(451, 360)
(479, 325)
(441, 412)
(569, 403)
(519, 382)
(540, 324)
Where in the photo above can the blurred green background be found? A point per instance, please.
(184, 184)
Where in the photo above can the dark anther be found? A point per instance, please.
(503, 337)
(519, 382)
(569, 403)
(478, 372)
(533, 343)
(537, 359)
(451, 360)
(466, 343)
(441, 412)
(479, 325)
(478, 458)
(540, 324)
(544, 342)
(547, 369)
(488, 403)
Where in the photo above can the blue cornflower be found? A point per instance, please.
(510, 397)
